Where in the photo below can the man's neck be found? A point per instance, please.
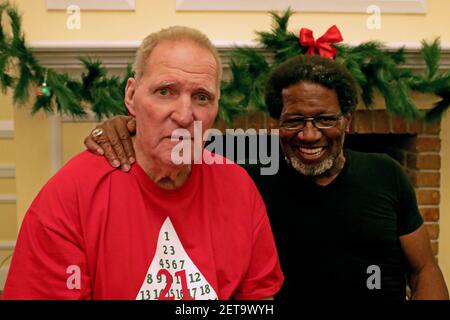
(329, 176)
(166, 176)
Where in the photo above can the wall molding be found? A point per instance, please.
(360, 6)
(7, 171)
(121, 5)
(116, 55)
(7, 245)
(6, 129)
(8, 198)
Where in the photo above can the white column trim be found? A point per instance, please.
(8, 198)
(386, 6)
(122, 5)
(6, 129)
(7, 245)
(7, 170)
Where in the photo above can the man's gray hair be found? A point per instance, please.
(175, 33)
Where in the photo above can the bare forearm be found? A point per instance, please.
(429, 284)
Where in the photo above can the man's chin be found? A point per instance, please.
(311, 169)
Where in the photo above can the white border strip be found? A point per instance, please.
(122, 5)
(8, 199)
(7, 170)
(6, 129)
(361, 6)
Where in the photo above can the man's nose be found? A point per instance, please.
(309, 133)
(183, 113)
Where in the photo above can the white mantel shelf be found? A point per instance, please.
(115, 55)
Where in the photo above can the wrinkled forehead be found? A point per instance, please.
(184, 57)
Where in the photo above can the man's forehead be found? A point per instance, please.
(209, 84)
(180, 51)
(185, 61)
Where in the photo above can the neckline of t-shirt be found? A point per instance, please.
(341, 175)
(151, 186)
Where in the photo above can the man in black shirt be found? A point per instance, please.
(347, 225)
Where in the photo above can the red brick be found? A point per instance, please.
(415, 127)
(220, 125)
(239, 122)
(399, 125)
(381, 122)
(419, 161)
(363, 121)
(424, 179)
(256, 120)
(433, 127)
(425, 144)
(428, 197)
(435, 247)
(430, 214)
(352, 125)
(273, 123)
(433, 230)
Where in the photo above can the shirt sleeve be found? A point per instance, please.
(409, 217)
(49, 261)
(264, 277)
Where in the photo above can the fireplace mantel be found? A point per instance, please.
(116, 56)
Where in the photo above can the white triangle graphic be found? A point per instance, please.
(172, 274)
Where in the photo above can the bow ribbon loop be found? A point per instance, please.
(324, 44)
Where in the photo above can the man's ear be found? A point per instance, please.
(130, 90)
(348, 121)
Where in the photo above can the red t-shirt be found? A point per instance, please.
(95, 232)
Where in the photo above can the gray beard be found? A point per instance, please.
(313, 170)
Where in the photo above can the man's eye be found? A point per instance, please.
(202, 97)
(326, 120)
(290, 122)
(164, 91)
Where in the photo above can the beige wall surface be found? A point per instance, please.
(30, 149)
(152, 15)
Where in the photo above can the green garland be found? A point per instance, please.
(103, 94)
(374, 68)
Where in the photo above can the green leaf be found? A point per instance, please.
(431, 53)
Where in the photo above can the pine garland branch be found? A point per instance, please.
(104, 94)
(374, 68)
(431, 53)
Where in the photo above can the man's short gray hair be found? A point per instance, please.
(175, 33)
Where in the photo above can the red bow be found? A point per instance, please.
(323, 44)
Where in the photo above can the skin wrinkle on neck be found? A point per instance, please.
(166, 177)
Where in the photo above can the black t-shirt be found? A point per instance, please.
(328, 237)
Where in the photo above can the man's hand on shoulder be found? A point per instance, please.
(112, 139)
